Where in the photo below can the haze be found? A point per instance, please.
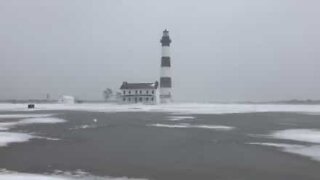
(231, 50)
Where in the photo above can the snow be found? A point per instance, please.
(48, 120)
(79, 175)
(311, 136)
(303, 135)
(186, 125)
(176, 108)
(13, 137)
(17, 116)
(179, 118)
(313, 151)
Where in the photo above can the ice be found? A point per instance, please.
(47, 120)
(303, 135)
(85, 126)
(186, 125)
(178, 118)
(176, 108)
(42, 121)
(18, 116)
(312, 151)
(13, 137)
(311, 136)
(9, 175)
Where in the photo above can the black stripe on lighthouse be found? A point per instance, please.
(165, 62)
(165, 82)
(165, 40)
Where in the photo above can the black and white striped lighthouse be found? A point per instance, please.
(165, 74)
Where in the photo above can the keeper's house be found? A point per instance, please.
(146, 93)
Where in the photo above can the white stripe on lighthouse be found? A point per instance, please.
(165, 51)
(166, 92)
(165, 72)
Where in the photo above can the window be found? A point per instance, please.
(136, 99)
(140, 92)
(124, 99)
(152, 91)
(136, 91)
(152, 99)
(129, 99)
(140, 99)
(129, 92)
(124, 92)
(147, 92)
(147, 99)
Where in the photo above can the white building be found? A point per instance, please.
(66, 100)
(146, 93)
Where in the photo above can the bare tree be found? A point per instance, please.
(107, 94)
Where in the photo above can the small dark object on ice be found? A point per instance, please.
(31, 106)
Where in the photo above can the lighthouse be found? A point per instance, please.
(165, 74)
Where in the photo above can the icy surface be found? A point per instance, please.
(47, 120)
(313, 151)
(178, 118)
(85, 126)
(182, 108)
(17, 116)
(304, 135)
(12, 137)
(186, 125)
(79, 175)
(311, 136)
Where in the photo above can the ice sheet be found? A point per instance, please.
(312, 151)
(178, 118)
(45, 120)
(79, 175)
(13, 137)
(176, 108)
(186, 125)
(303, 135)
(18, 116)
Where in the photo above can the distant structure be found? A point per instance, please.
(152, 93)
(66, 100)
(165, 74)
(146, 93)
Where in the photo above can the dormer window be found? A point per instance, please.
(124, 92)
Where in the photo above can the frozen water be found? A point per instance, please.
(17, 116)
(304, 135)
(178, 118)
(312, 151)
(186, 125)
(47, 120)
(85, 126)
(183, 108)
(79, 175)
(13, 137)
(41, 121)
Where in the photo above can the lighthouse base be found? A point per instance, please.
(165, 99)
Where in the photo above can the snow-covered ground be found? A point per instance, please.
(177, 108)
(311, 136)
(59, 175)
(186, 125)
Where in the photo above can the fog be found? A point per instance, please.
(232, 50)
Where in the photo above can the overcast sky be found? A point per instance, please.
(230, 50)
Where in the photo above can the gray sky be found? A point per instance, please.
(230, 50)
